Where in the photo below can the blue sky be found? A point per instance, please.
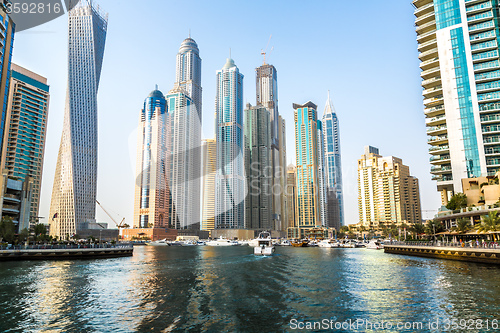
(365, 53)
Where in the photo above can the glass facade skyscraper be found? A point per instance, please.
(25, 129)
(458, 49)
(333, 167)
(152, 196)
(74, 189)
(267, 96)
(258, 166)
(230, 178)
(306, 152)
(184, 109)
(7, 29)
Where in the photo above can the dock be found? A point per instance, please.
(63, 252)
(472, 254)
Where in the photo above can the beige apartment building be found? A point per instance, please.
(387, 193)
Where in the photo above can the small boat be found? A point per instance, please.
(264, 246)
(286, 242)
(313, 243)
(299, 243)
(189, 243)
(160, 242)
(328, 243)
(374, 245)
(222, 242)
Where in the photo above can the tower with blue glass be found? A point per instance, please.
(459, 53)
(306, 152)
(333, 167)
(152, 195)
(7, 29)
(230, 178)
(24, 137)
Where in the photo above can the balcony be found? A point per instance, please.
(434, 111)
(434, 130)
(435, 120)
(433, 100)
(439, 149)
(490, 118)
(428, 64)
(431, 92)
(423, 10)
(431, 82)
(426, 37)
(443, 178)
(432, 53)
(478, 8)
(485, 66)
(426, 25)
(491, 129)
(436, 140)
(480, 17)
(430, 73)
(438, 169)
(432, 44)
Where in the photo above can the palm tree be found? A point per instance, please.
(417, 229)
(463, 225)
(490, 222)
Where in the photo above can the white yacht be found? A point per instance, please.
(264, 245)
(328, 243)
(222, 242)
(374, 245)
(160, 242)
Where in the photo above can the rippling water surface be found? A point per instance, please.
(228, 289)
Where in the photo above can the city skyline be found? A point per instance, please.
(119, 197)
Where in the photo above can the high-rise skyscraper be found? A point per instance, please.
(306, 152)
(321, 175)
(208, 167)
(184, 109)
(74, 190)
(291, 192)
(258, 166)
(188, 73)
(459, 53)
(283, 174)
(152, 194)
(267, 96)
(230, 179)
(25, 129)
(7, 29)
(387, 193)
(185, 160)
(333, 167)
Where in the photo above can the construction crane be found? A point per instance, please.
(264, 52)
(119, 226)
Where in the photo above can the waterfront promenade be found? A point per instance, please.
(60, 252)
(451, 251)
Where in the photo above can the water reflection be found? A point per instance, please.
(163, 289)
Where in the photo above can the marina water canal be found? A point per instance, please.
(228, 289)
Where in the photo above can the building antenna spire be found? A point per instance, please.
(189, 32)
(156, 87)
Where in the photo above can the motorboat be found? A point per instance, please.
(286, 242)
(264, 245)
(189, 243)
(160, 242)
(222, 242)
(243, 243)
(313, 243)
(328, 243)
(374, 245)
